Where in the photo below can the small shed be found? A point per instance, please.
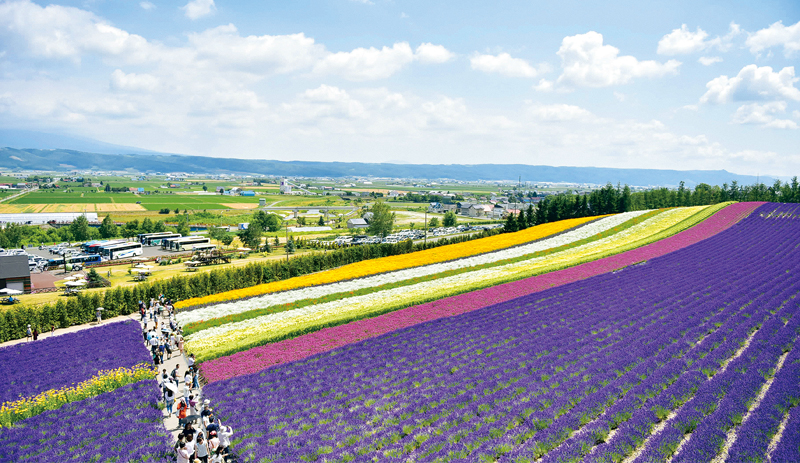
(15, 273)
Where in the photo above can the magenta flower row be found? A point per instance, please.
(260, 358)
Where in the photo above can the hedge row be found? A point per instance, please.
(125, 300)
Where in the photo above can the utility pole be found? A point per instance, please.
(426, 227)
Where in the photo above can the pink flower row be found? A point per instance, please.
(260, 358)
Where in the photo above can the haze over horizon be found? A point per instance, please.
(689, 85)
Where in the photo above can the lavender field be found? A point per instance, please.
(686, 357)
(58, 361)
(120, 426)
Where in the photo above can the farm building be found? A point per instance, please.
(15, 273)
(357, 223)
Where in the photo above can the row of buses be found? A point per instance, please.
(175, 242)
(94, 252)
(124, 249)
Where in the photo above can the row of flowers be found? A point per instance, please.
(57, 361)
(327, 339)
(188, 318)
(548, 376)
(237, 336)
(104, 381)
(124, 425)
(392, 263)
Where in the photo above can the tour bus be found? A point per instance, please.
(86, 259)
(122, 251)
(185, 244)
(95, 245)
(157, 240)
(203, 247)
(145, 238)
(166, 242)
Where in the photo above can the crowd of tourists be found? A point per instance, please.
(203, 438)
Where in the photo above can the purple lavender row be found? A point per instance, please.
(124, 425)
(788, 449)
(755, 435)
(578, 446)
(58, 361)
(670, 378)
(374, 365)
(657, 448)
(709, 438)
(705, 401)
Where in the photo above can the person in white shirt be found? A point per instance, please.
(190, 444)
(183, 453)
(201, 448)
(225, 433)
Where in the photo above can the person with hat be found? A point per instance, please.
(29, 333)
(225, 433)
(206, 411)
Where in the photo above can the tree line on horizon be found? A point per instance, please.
(616, 199)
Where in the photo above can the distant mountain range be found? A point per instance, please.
(49, 141)
(63, 159)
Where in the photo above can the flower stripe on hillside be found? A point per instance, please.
(314, 292)
(388, 264)
(327, 339)
(233, 337)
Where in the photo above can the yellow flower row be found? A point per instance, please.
(391, 263)
(103, 381)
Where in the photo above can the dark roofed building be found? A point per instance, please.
(15, 273)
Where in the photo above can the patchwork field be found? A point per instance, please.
(649, 336)
(91, 207)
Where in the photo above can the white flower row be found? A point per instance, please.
(286, 297)
(282, 323)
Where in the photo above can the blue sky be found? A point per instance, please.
(683, 85)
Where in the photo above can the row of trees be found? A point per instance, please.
(611, 199)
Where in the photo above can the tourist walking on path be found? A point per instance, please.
(29, 335)
(35, 334)
(201, 448)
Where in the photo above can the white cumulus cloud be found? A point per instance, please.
(683, 41)
(776, 35)
(223, 46)
(66, 32)
(435, 54)
(764, 115)
(587, 62)
(753, 83)
(133, 82)
(559, 112)
(147, 5)
(197, 9)
(709, 60)
(367, 63)
(503, 64)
